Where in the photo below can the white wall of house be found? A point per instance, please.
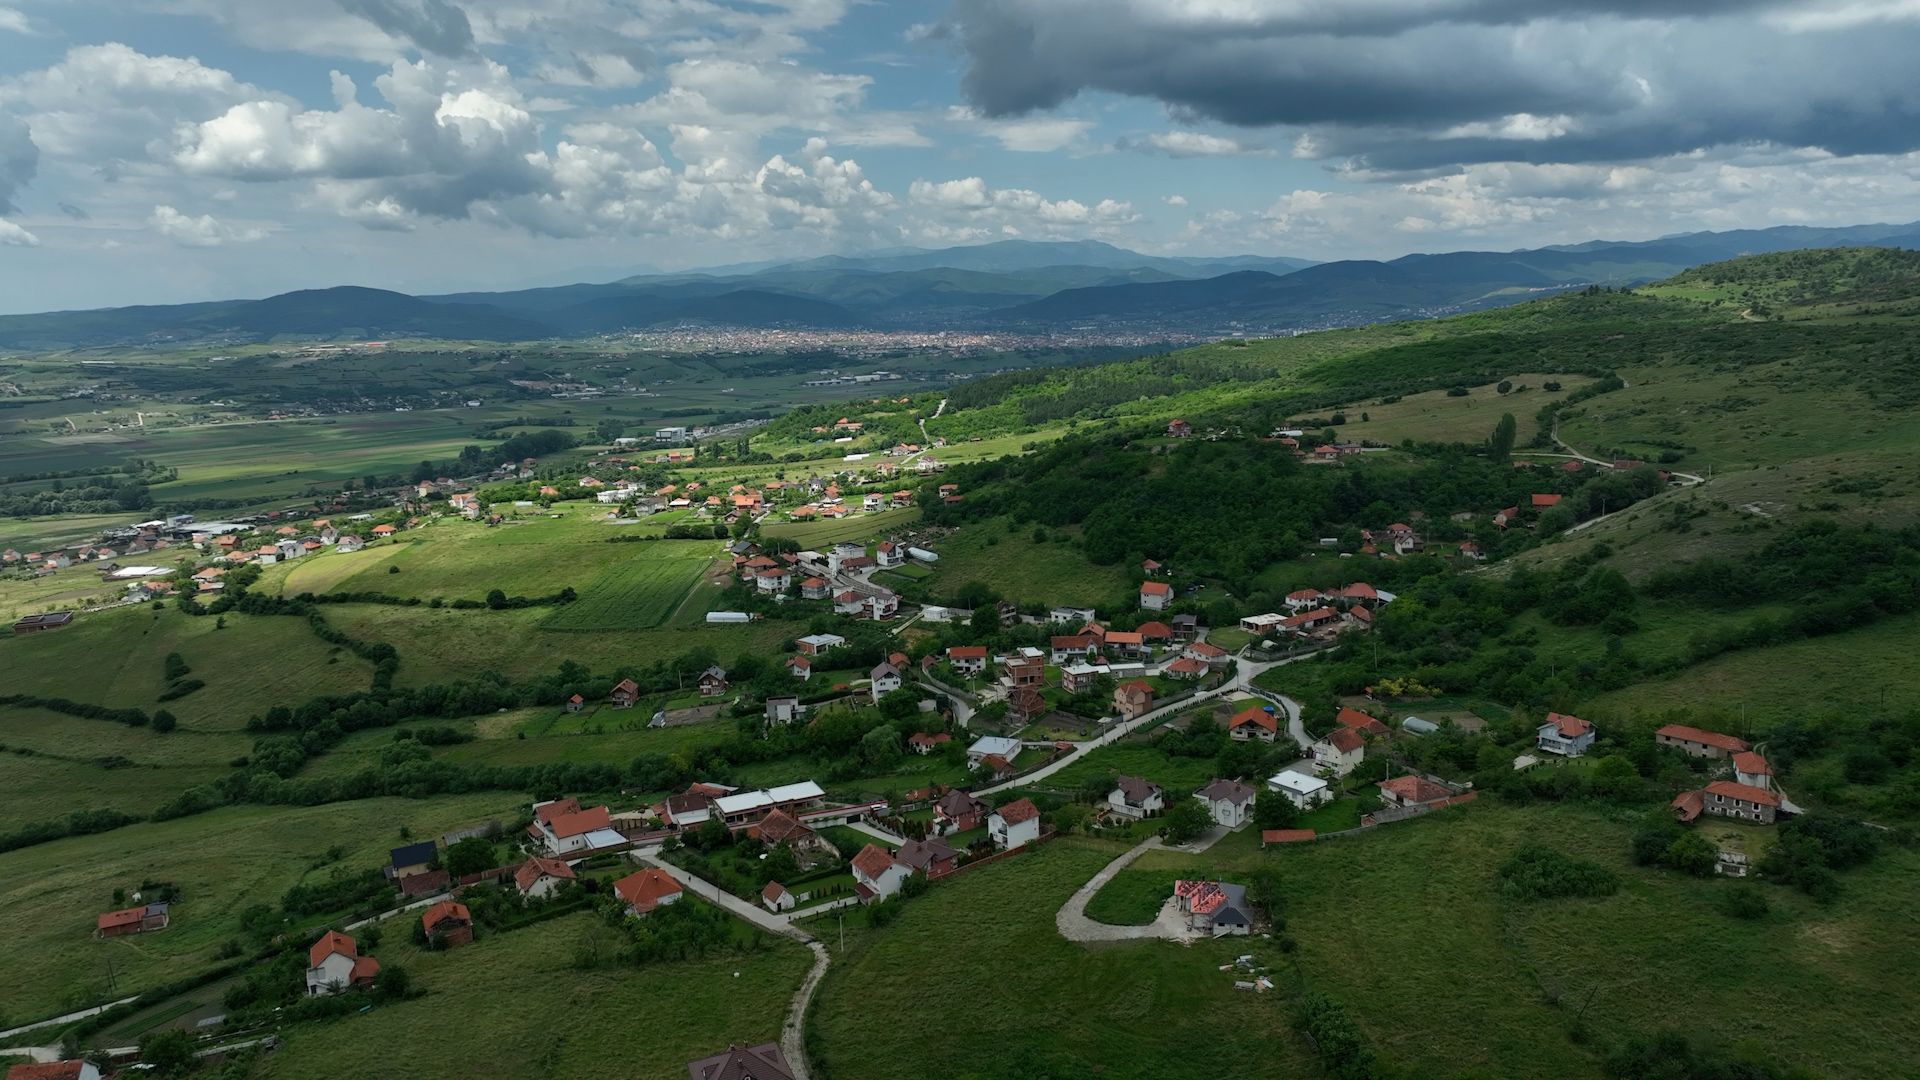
(1013, 836)
(331, 976)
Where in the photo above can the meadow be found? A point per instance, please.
(638, 594)
(511, 1006)
(1007, 559)
(1406, 926)
(1441, 416)
(223, 861)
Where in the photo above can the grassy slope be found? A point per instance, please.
(510, 1007)
(1152, 1011)
(1052, 573)
(1436, 417)
(223, 861)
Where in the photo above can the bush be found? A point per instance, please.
(163, 721)
(1540, 873)
(1745, 902)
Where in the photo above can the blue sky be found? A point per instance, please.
(156, 151)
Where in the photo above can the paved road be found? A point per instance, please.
(415, 906)
(876, 832)
(67, 1019)
(1074, 925)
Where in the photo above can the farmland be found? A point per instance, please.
(638, 594)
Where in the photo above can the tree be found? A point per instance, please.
(1275, 811)
(1070, 817)
(1500, 443)
(609, 430)
(470, 856)
(900, 704)
(163, 721)
(169, 1052)
(780, 864)
(1185, 820)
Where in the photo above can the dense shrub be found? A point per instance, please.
(1540, 873)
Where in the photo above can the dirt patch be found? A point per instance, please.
(694, 715)
(1831, 936)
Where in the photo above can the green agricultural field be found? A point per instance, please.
(30, 534)
(638, 594)
(117, 658)
(1147, 1011)
(820, 534)
(1009, 562)
(223, 861)
(523, 1010)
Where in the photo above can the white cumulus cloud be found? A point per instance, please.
(202, 231)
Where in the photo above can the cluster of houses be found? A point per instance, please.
(1316, 616)
(1748, 796)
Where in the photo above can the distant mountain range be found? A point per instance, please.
(1010, 285)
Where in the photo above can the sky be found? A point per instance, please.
(166, 151)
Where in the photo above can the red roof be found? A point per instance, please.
(1360, 590)
(333, 941)
(1156, 588)
(1257, 716)
(773, 892)
(445, 909)
(1415, 789)
(1354, 718)
(127, 917)
(1345, 739)
(1545, 500)
(1569, 727)
(1747, 761)
(1285, 836)
(1021, 809)
(558, 808)
(1186, 665)
(645, 890)
(872, 862)
(583, 822)
(1689, 804)
(1205, 649)
(924, 739)
(1304, 594)
(967, 652)
(536, 868)
(1727, 789)
(1154, 631)
(48, 1070)
(1705, 738)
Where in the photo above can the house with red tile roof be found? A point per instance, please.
(1541, 502)
(448, 923)
(1568, 736)
(1132, 699)
(1359, 721)
(335, 964)
(925, 743)
(1186, 668)
(1214, 908)
(877, 875)
(1015, 824)
(1752, 770)
(624, 694)
(1699, 743)
(1253, 723)
(579, 831)
(1155, 595)
(1339, 751)
(967, 660)
(1211, 655)
(1407, 791)
(1725, 798)
(539, 878)
(647, 890)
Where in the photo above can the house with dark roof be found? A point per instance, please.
(1568, 736)
(1214, 908)
(886, 679)
(958, 812)
(625, 693)
(1229, 801)
(763, 1062)
(334, 964)
(1015, 824)
(780, 827)
(933, 857)
(448, 923)
(713, 682)
(1135, 798)
(412, 859)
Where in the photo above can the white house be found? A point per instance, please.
(1305, 792)
(777, 898)
(1340, 751)
(877, 874)
(886, 679)
(1752, 770)
(1568, 736)
(889, 554)
(1229, 801)
(540, 878)
(995, 745)
(784, 710)
(335, 964)
(1155, 595)
(1136, 798)
(1014, 825)
(563, 828)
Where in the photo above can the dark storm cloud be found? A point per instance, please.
(1418, 83)
(436, 26)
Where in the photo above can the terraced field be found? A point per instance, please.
(638, 594)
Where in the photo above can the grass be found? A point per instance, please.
(223, 861)
(1146, 1011)
(1336, 816)
(115, 658)
(817, 534)
(634, 595)
(1128, 758)
(520, 1010)
(1132, 898)
(1436, 417)
(1013, 565)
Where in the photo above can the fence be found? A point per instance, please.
(1047, 832)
